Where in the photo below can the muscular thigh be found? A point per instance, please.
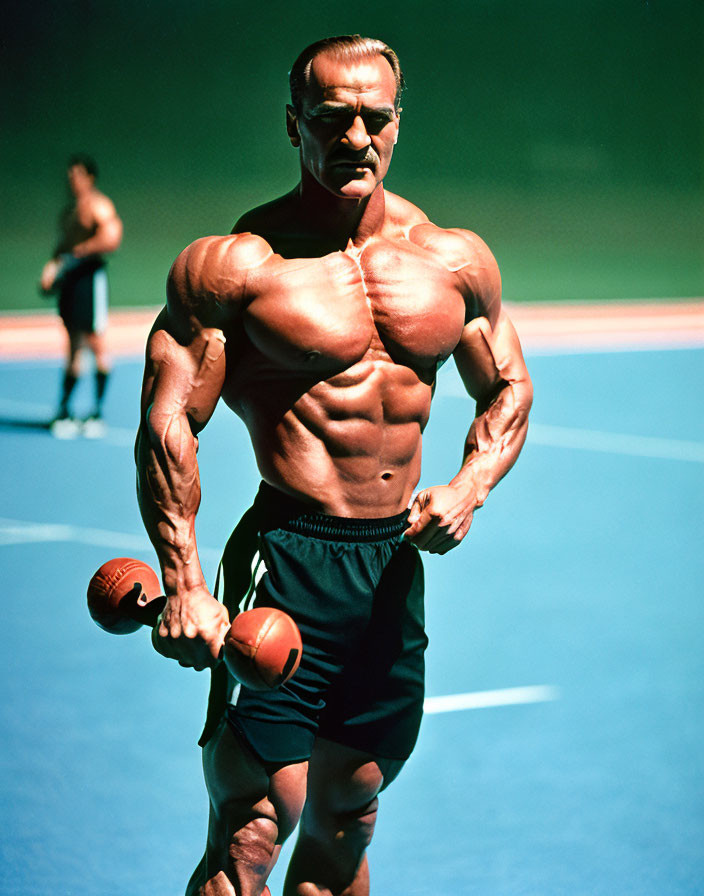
(344, 780)
(240, 787)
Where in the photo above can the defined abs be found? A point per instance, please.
(355, 439)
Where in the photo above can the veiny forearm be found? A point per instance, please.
(180, 392)
(495, 440)
(168, 490)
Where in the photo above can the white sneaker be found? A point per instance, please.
(93, 428)
(64, 428)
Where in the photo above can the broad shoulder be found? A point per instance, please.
(208, 278)
(215, 256)
(101, 207)
(466, 254)
(455, 246)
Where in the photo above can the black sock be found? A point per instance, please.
(67, 386)
(101, 384)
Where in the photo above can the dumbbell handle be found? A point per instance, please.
(133, 607)
(144, 613)
(239, 646)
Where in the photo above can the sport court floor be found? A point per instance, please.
(567, 634)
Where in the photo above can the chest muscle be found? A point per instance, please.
(328, 313)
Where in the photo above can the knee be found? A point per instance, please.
(341, 826)
(252, 847)
(346, 809)
(353, 792)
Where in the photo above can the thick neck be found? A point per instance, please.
(347, 221)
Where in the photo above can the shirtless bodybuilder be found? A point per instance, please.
(321, 321)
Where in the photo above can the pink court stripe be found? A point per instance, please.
(42, 335)
(646, 324)
(553, 326)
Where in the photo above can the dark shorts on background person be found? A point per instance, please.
(84, 296)
(355, 589)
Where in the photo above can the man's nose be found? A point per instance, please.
(356, 135)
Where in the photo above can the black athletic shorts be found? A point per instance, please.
(355, 589)
(84, 295)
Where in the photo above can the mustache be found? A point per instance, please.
(366, 157)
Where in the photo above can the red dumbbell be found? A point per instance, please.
(262, 648)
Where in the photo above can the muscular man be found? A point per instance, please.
(321, 321)
(89, 229)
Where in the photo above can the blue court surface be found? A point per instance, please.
(567, 634)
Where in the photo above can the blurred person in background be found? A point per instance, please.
(89, 229)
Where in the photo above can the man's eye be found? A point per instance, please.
(329, 118)
(373, 122)
(376, 123)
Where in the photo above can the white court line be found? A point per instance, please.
(13, 532)
(615, 443)
(541, 693)
(19, 532)
(593, 439)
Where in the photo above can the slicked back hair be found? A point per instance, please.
(350, 48)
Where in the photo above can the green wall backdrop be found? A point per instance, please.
(570, 135)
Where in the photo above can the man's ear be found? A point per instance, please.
(292, 126)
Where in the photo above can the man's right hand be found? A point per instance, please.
(192, 628)
(50, 272)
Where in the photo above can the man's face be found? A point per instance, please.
(348, 124)
(79, 180)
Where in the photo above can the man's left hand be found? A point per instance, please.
(439, 518)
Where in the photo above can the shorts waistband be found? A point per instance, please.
(281, 511)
